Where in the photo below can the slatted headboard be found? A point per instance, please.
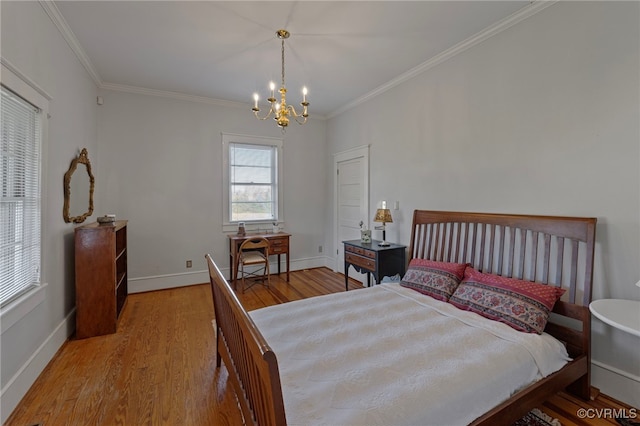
(511, 245)
(552, 250)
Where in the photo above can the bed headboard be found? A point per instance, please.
(552, 250)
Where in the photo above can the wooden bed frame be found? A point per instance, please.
(552, 250)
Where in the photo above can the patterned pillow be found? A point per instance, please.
(436, 279)
(523, 305)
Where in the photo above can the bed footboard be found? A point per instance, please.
(252, 365)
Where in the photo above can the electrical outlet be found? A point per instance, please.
(319, 249)
(189, 264)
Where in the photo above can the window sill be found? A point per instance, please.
(252, 227)
(19, 308)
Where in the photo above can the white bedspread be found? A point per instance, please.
(387, 355)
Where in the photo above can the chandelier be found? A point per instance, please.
(280, 110)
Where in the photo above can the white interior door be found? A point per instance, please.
(352, 198)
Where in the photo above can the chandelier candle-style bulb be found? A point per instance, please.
(280, 110)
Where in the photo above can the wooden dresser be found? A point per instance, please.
(101, 277)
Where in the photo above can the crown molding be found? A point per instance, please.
(180, 96)
(12, 68)
(58, 20)
(533, 8)
(169, 94)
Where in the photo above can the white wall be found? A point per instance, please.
(33, 45)
(161, 169)
(542, 118)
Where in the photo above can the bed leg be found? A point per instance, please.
(581, 388)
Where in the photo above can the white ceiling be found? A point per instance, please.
(342, 51)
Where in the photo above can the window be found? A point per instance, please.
(252, 176)
(252, 182)
(20, 194)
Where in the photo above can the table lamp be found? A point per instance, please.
(383, 215)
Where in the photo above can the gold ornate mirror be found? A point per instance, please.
(78, 181)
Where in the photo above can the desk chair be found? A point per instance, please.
(253, 252)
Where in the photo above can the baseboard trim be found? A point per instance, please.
(17, 387)
(163, 282)
(616, 383)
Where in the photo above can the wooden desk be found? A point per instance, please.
(379, 261)
(278, 244)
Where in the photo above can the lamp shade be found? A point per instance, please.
(383, 215)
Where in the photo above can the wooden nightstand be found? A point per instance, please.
(373, 259)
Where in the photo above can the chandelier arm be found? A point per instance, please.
(300, 118)
(304, 120)
(295, 114)
(255, 112)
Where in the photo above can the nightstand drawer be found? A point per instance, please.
(357, 250)
(363, 262)
(361, 251)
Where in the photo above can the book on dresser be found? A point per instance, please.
(101, 277)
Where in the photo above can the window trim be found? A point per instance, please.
(17, 82)
(227, 139)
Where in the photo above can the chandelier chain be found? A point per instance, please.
(282, 62)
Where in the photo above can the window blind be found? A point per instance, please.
(252, 178)
(20, 196)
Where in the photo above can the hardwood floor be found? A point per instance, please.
(159, 368)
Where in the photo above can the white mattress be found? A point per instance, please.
(387, 355)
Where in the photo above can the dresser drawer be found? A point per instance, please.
(363, 262)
